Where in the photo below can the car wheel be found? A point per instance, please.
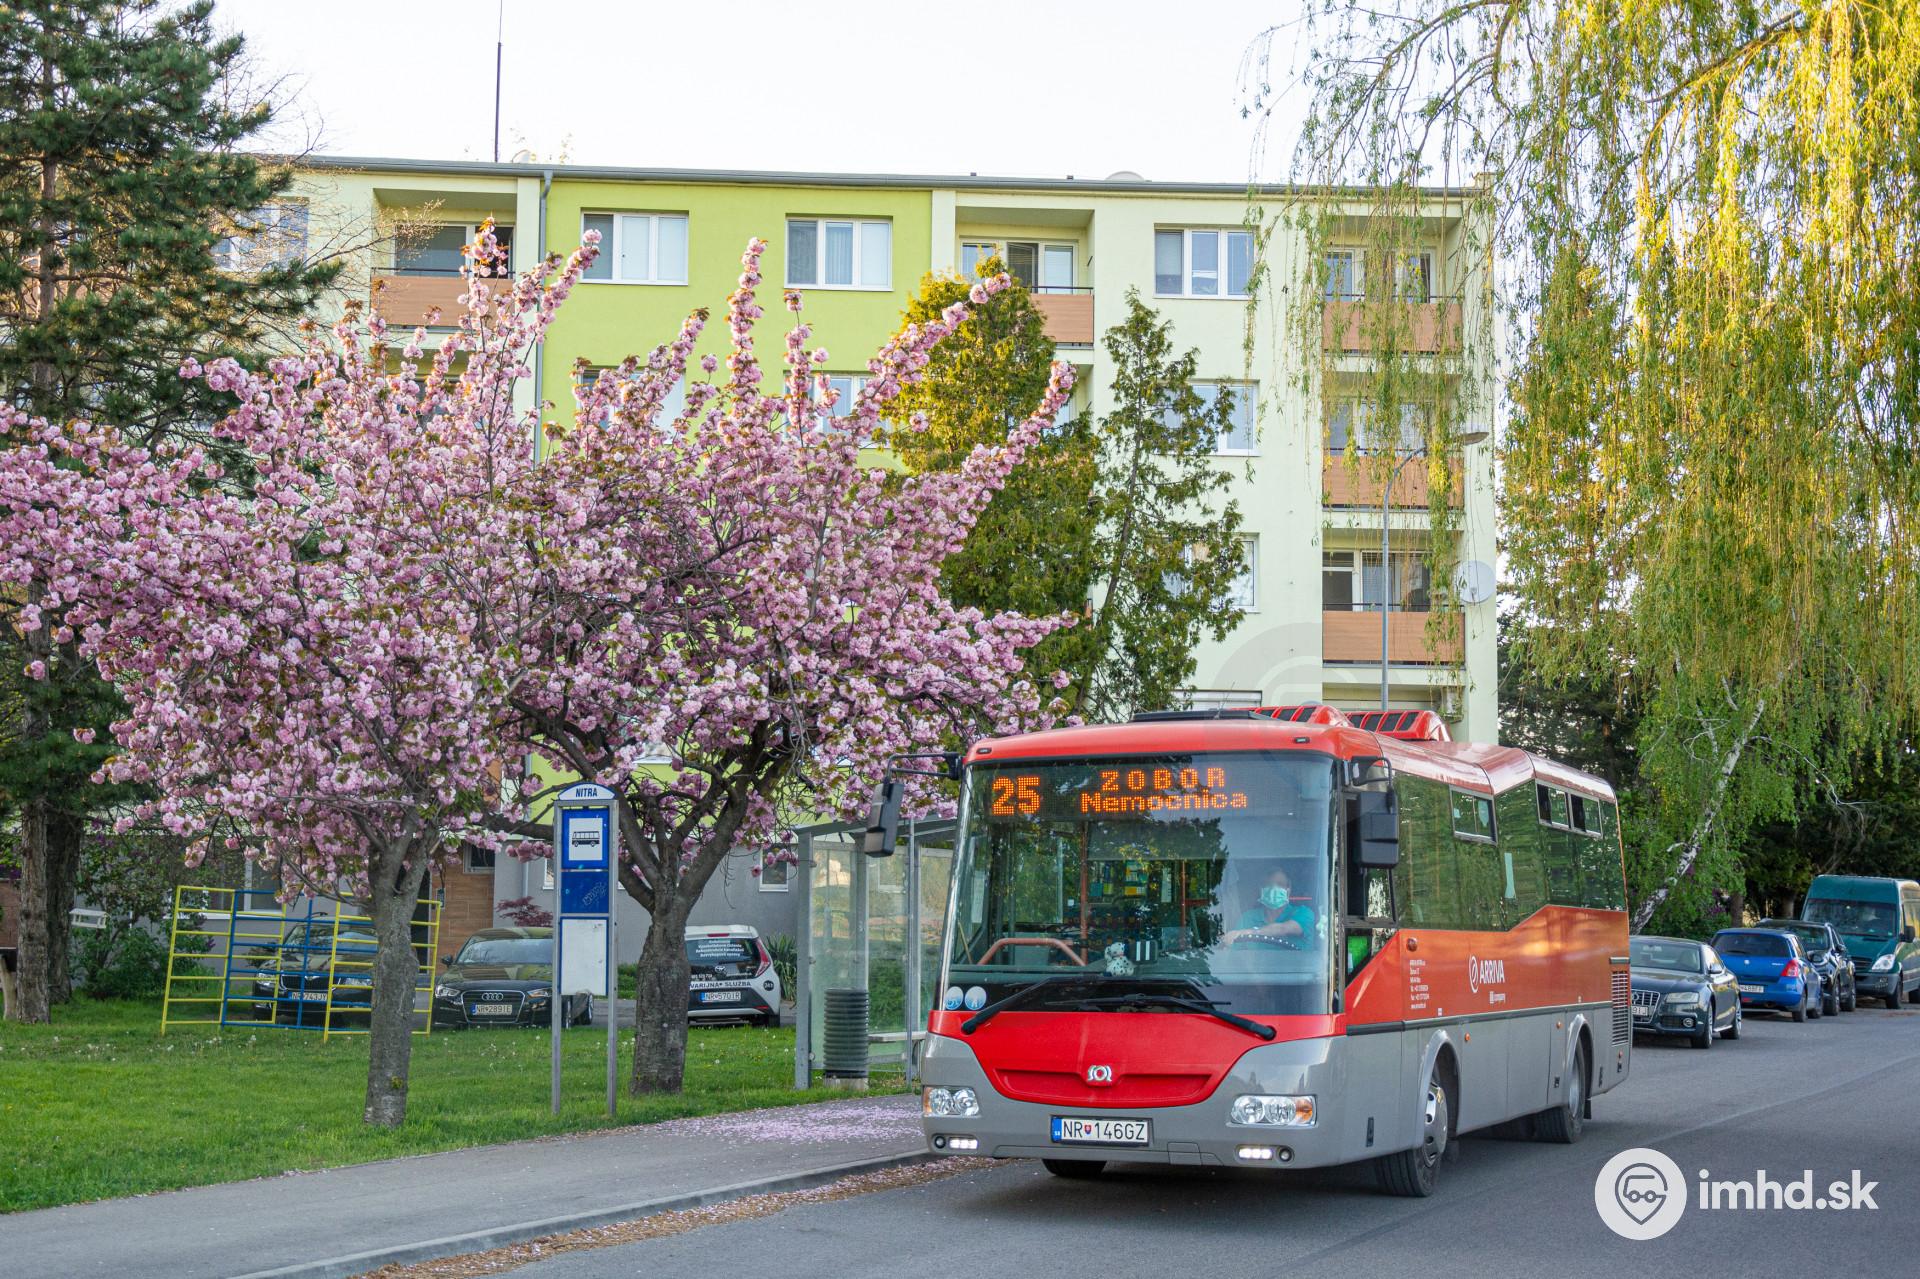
(1074, 1169)
(1733, 1030)
(1830, 1003)
(1852, 1001)
(1800, 1013)
(1703, 1037)
(1815, 1006)
(1893, 1000)
(1413, 1174)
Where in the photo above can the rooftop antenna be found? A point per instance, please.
(499, 47)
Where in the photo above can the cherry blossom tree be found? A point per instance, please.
(318, 665)
(341, 666)
(774, 625)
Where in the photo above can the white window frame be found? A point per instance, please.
(843, 407)
(1358, 258)
(1248, 600)
(469, 231)
(1400, 275)
(1223, 238)
(261, 237)
(1002, 249)
(610, 247)
(466, 860)
(670, 409)
(1245, 395)
(786, 873)
(860, 225)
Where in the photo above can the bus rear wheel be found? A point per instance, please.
(1413, 1174)
(1075, 1169)
(1565, 1122)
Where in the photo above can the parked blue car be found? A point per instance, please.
(1772, 969)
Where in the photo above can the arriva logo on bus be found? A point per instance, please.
(1485, 972)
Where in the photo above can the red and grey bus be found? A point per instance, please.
(1247, 939)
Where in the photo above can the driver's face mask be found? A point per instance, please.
(1274, 897)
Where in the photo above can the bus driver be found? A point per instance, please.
(1278, 918)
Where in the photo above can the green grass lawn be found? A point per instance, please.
(100, 1104)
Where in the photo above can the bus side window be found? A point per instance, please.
(1427, 881)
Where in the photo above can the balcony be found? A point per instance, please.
(1361, 326)
(1354, 637)
(1359, 484)
(405, 298)
(1068, 312)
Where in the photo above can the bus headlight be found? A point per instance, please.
(1684, 998)
(949, 1103)
(1883, 963)
(1262, 1111)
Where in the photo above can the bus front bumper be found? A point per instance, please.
(1198, 1134)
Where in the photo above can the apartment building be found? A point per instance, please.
(857, 245)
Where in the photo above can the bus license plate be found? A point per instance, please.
(1746, 989)
(1087, 1130)
(719, 996)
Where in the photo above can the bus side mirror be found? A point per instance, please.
(883, 821)
(1379, 843)
(1906, 934)
(1369, 770)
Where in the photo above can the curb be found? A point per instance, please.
(500, 1236)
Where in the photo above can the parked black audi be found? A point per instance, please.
(504, 977)
(1680, 987)
(293, 977)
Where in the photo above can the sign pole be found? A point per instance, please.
(585, 875)
(613, 959)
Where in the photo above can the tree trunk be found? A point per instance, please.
(396, 972)
(65, 830)
(660, 1002)
(32, 1004)
(1704, 826)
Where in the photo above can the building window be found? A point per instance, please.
(440, 248)
(823, 253)
(1202, 264)
(1413, 280)
(638, 248)
(775, 874)
(479, 861)
(1346, 281)
(1352, 580)
(1350, 425)
(848, 387)
(270, 236)
(1040, 266)
(1245, 592)
(1238, 437)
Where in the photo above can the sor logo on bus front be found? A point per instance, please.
(1485, 972)
(1100, 1074)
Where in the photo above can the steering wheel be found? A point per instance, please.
(1054, 942)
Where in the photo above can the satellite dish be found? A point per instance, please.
(1473, 582)
(1124, 175)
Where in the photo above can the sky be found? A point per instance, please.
(1041, 88)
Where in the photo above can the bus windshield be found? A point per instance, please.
(1199, 877)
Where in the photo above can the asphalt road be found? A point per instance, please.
(1831, 1096)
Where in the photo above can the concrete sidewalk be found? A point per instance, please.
(345, 1221)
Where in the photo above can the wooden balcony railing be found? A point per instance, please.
(1358, 484)
(1348, 636)
(405, 300)
(1362, 325)
(1069, 314)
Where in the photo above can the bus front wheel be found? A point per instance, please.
(1075, 1169)
(1413, 1173)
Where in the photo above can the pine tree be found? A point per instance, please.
(134, 233)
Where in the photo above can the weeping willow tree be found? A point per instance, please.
(1706, 216)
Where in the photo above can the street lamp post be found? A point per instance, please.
(1386, 563)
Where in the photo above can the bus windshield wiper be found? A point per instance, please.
(1025, 994)
(1204, 1006)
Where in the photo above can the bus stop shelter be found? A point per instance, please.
(874, 924)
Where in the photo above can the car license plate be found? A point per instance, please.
(1089, 1131)
(490, 1010)
(1748, 989)
(1643, 1014)
(719, 996)
(313, 996)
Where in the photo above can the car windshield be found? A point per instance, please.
(1811, 938)
(1769, 945)
(1679, 956)
(507, 950)
(1200, 876)
(1849, 915)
